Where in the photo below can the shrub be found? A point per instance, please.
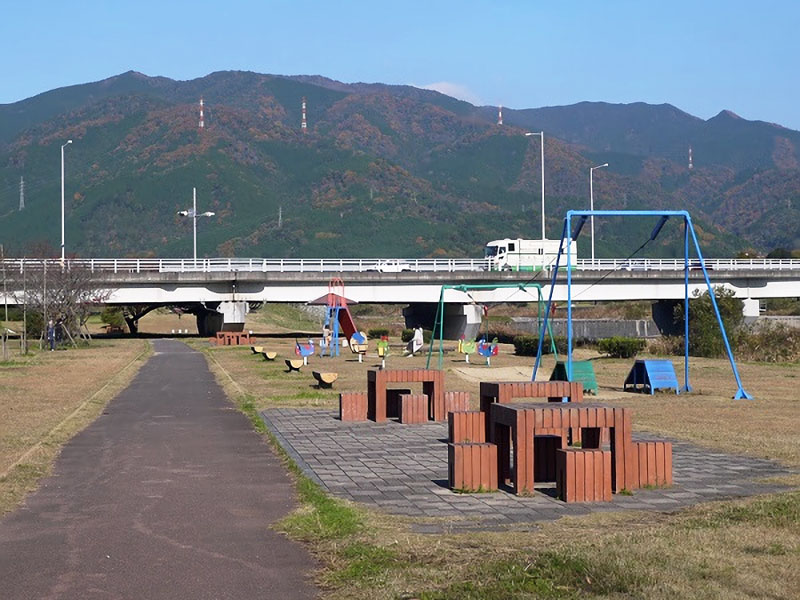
(621, 347)
(112, 316)
(376, 332)
(705, 338)
(769, 342)
(527, 345)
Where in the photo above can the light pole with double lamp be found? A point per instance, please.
(194, 216)
(540, 134)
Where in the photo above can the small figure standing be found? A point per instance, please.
(415, 345)
(51, 334)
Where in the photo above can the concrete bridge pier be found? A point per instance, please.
(226, 316)
(459, 319)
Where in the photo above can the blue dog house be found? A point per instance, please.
(651, 375)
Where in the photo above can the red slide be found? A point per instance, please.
(346, 322)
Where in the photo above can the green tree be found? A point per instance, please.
(705, 337)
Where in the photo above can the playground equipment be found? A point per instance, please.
(269, 355)
(325, 380)
(304, 350)
(568, 237)
(383, 350)
(339, 320)
(488, 350)
(256, 349)
(651, 375)
(465, 289)
(466, 348)
(294, 364)
(582, 371)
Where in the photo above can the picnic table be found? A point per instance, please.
(432, 385)
(513, 427)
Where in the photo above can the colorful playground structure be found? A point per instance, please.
(339, 321)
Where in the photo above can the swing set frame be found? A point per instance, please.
(582, 216)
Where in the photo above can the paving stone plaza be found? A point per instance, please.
(402, 469)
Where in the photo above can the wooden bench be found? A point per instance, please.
(269, 355)
(583, 475)
(325, 380)
(294, 364)
(110, 329)
(472, 467)
(353, 406)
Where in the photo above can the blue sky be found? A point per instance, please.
(701, 56)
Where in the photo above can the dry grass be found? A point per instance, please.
(50, 396)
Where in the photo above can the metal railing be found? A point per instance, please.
(361, 265)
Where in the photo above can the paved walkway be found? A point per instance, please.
(402, 469)
(169, 494)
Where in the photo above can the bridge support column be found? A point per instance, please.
(459, 319)
(228, 316)
(751, 308)
(664, 316)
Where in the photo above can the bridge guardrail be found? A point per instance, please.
(360, 265)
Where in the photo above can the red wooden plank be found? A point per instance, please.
(580, 475)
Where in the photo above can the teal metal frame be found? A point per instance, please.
(568, 234)
(439, 320)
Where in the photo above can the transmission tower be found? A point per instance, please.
(21, 193)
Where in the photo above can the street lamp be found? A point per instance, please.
(591, 201)
(68, 142)
(193, 214)
(540, 134)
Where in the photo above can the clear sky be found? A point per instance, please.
(701, 56)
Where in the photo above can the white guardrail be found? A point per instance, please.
(360, 265)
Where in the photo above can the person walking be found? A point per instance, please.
(51, 334)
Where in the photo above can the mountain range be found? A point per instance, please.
(380, 170)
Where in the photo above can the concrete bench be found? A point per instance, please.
(583, 475)
(456, 401)
(466, 427)
(353, 406)
(325, 380)
(653, 463)
(472, 467)
(414, 408)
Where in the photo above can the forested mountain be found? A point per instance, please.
(381, 170)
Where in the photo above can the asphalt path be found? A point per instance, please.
(169, 494)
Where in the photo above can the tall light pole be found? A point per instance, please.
(68, 142)
(193, 214)
(540, 134)
(591, 201)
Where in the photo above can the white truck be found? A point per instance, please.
(526, 255)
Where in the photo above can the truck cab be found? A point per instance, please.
(525, 255)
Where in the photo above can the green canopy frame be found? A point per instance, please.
(438, 325)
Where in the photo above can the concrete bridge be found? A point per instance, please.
(219, 291)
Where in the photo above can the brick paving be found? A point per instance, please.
(402, 469)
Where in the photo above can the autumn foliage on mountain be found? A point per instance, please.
(379, 171)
